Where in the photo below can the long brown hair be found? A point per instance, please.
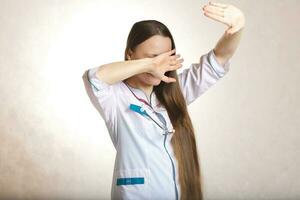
(170, 96)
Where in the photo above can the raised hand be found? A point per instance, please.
(226, 14)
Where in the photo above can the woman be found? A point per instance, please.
(144, 104)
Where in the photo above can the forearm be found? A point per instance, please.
(118, 71)
(227, 45)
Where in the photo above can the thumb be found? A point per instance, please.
(168, 79)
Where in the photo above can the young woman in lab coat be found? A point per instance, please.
(144, 104)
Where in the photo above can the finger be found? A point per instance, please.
(174, 63)
(218, 4)
(173, 58)
(174, 67)
(176, 56)
(171, 52)
(216, 17)
(177, 66)
(180, 61)
(213, 8)
(168, 79)
(214, 11)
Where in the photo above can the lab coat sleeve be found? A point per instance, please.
(106, 97)
(196, 79)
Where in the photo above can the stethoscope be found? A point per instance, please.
(142, 111)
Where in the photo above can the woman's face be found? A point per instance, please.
(151, 47)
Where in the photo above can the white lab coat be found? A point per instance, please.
(144, 167)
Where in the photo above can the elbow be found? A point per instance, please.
(222, 58)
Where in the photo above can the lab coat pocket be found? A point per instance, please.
(132, 183)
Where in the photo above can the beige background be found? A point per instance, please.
(54, 143)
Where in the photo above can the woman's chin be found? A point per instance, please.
(155, 81)
(152, 80)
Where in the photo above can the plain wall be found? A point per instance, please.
(54, 143)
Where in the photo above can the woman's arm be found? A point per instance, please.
(226, 46)
(114, 72)
(117, 71)
(235, 20)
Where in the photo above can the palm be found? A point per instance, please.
(226, 14)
